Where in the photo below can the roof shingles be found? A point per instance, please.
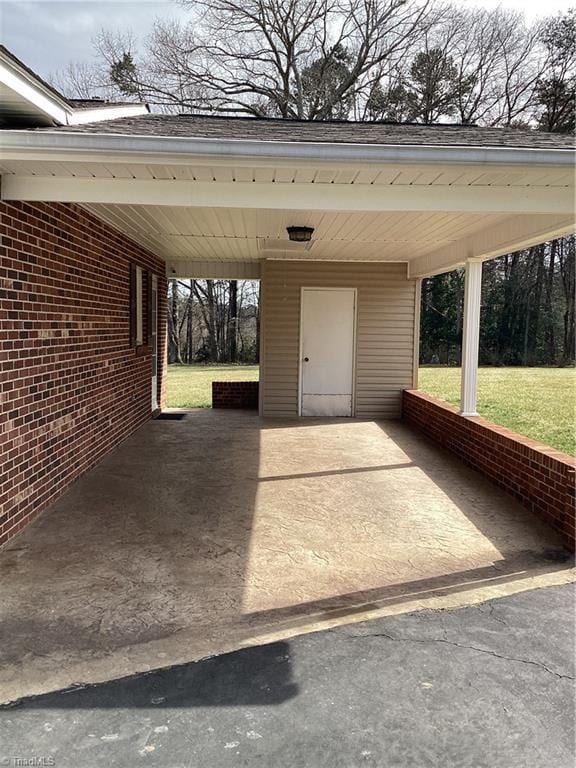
(334, 132)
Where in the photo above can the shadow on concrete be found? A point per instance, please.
(152, 540)
(327, 473)
(260, 676)
(510, 570)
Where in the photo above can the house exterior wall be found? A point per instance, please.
(71, 385)
(540, 478)
(384, 332)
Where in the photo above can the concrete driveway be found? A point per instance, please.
(207, 531)
(489, 686)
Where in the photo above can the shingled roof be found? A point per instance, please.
(329, 132)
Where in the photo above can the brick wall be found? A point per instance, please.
(235, 394)
(540, 478)
(71, 386)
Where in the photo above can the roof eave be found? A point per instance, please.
(22, 144)
(44, 99)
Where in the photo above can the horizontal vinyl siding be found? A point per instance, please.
(384, 333)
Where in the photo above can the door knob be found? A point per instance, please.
(306, 359)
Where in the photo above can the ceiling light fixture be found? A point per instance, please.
(300, 234)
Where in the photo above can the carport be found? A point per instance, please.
(339, 221)
(382, 205)
(210, 531)
(185, 537)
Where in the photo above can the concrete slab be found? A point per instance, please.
(489, 686)
(217, 530)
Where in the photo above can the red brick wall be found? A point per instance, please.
(71, 386)
(540, 478)
(234, 394)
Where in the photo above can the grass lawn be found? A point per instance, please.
(190, 386)
(536, 402)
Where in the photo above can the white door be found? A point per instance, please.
(154, 339)
(328, 320)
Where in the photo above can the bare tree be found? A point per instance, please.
(83, 80)
(557, 86)
(500, 56)
(289, 58)
(473, 64)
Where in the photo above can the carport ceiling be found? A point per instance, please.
(199, 211)
(248, 234)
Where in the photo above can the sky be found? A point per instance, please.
(47, 34)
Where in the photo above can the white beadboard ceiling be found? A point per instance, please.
(284, 174)
(201, 212)
(227, 234)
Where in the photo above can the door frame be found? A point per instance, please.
(354, 340)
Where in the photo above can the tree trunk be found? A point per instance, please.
(258, 312)
(536, 308)
(549, 335)
(212, 322)
(233, 321)
(567, 271)
(190, 326)
(174, 355)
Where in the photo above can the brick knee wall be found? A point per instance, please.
(235, 394)
(71, 385)
(540, 478)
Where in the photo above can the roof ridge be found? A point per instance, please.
(339, 121)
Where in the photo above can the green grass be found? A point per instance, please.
(535, 402)
(190, 386)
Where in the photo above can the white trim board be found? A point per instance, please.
(303, 196)
(514, 234)
(47, 106)
(222, 270)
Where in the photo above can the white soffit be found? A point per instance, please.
(32, 163)
(429, 241)
(430, 206)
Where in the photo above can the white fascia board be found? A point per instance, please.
(513, 234)
(59, 109)
(208, 270)
(99, 114)
(59, 146)
(295, 196)
(33, 91)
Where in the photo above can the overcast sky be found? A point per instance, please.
(47, 34)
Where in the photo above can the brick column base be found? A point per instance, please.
(235, 394)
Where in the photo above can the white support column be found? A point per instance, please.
(471, 337)
(416, 350)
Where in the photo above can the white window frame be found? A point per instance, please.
(139, 307)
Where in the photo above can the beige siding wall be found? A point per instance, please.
(385, 332)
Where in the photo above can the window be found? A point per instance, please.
(139, 323)
(136, 306)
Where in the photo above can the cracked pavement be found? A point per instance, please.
(486, 686)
